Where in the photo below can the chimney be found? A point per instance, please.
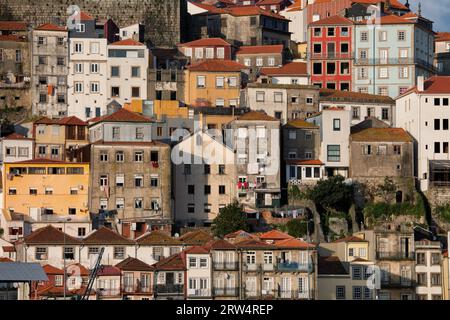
(420, 83)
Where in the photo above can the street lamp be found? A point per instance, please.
(64, 256)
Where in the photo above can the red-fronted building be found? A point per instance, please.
(330, 53)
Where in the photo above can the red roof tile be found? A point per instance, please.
(84, 16)
(300, 123)
(197, 250)
(51, 27)
(275, 235)
(313, 162)
(44, 161)
(72, 120)
(256, 116)
(106, 236)
(127, 42)
(109, 271)
(442, 36)
(338, 95)
(198, 237)
(133, 264)
(9, 249)
(390, 19)
(239, 233)
(382, 135)
(393, 4)
(174, 262)
(277, 48)
(157, 238)
(295, 6)
(253, 243)
(122, 115)
(16, 136)
(220, 245)
(205, 42)
(49, 269)
(4, 259)
(13, 37)
(77, 269)
(350, 239)
(13, 26)
(292, 68)
(50, 235)
(294, 243)
(214, 65)
(336, 20)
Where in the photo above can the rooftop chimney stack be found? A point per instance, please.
(420, 83)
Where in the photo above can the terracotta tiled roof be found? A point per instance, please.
(216, 65)
(106, 236)
(350, 239)
(382, 135)
(254, 244)
(255, 116)
(295, 6)
(59, 291)
(277, 48)
(267, 2)
(121, 115)
(336, 20)
(337, 95)
(4, 259)
(9, 249)
(275, 235)
(16, 136)
(205, 42)
(312, 162)
(49, 269)
(13, 37)
(45, 161)
(84, 16)
(198, 237)
(174, 262)
(300, 123)
(152, 143)
(157, 237)
(239, 233)
(197, 250)
(133, 264)
(109, 271)
(331, 266)
(394, 4)
(220, 244)
(434, 85)
(72, 120)
(294, 244)
(13, 26)
(77, 269)
(292, 68)
(389, 19)
(50, 235)
(442, 36)
(127, 42)
(51, 27)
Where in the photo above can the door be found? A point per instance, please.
(285, 287)
(170, 278)
(383, 56)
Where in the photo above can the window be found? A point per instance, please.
(355, 112)
(330, 32)
(220, 53)
(437, 123)
(336, 124)
(401, 35)
(103, 203)
(115, 91)
(120, 180)
(437, 101)
(317, 68)
(383, 72)
(356, 273)
(138, 203)
(435, 279)
(207, 189)
(115, 71)
(41, 253)
(397, 149)
(345, 68)
(232, 82)
(220, 102)
(364, 36)
(422, 279)
(154, 156)
(362, 73)
(385, 114)
(357, 293)
(154, 181)
(331, 68)
(191, 208)
(344, 48)
(260, 97)
(253, 21)
(120, 156)
(334, 153)
(69, 253)
(383, 35)
(219, 82)
(119, 253)
(60, 41)
(206, 169)
(271, 62)
(94, 68)
(103, 180)
(435, 258)
(340, 292)
(135, 72)
(72, 211)
(33, 191)
(95, 87)
(203, 263)
(135, 92)
(138, 180)
(221, 169)
(192, 263)
(221, 189)
(78, 47)
(201, 82)
(383, 91)
(198, 53)
(437, 147)
(103, 157)
(116, 133)
(404, 72)
(78, 87)
(317, 32)
(187, 169)
(259, 62)
(139, 156)
(278, 97)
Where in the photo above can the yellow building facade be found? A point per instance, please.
(39, 188)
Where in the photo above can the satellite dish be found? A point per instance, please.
(176, 235)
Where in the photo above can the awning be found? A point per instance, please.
(21, 272)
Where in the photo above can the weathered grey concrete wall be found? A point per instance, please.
(163, 19)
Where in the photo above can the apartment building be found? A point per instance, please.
(87, 78)
(390, 57)
(442, 53)
(126, 67)
(361, 105)
(284, 102)
(289, 73)
(137, 279)
(422, 111)
(429, 270)
(331, 52)
(255, 136)
(255, 58)
(50, 65)
(301, 152)
(157, 245)
(203, 178)
(204, 49)
(16, 147)
(296, 13)
(225, 270)
(59, 139)
(170, 278)
(15, 68)
(130, 173)
(213, 83)
(198, 273)
(45, 189)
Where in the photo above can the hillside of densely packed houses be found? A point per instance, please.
(118, 155)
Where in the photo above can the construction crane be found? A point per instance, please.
(93, 275)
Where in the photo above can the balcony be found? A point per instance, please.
(199, 293)
(332, 55)
(108, 293)
(294, 294)
(226, 266)
(169, 289)
(295, 267)
(387, 61)
(136, 289)
(395, 255)
(226, 292)
(397, 283)
(251, 267)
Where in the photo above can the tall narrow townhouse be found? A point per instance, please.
(50, 54)
(334, 123)
(87, 76)
(331, 53)
(130, 173)
(126, 71)
(255, 139)
(423, 111)
(390, 53)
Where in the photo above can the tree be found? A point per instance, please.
(296, 228)
(230, 219)
(332, 193)
(387, 190)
